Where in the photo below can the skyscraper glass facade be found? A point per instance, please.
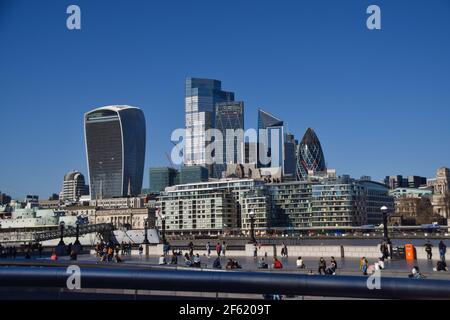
(309, 155)
(229, 116)
(270, 140)
(115, 148)
(200, 100)
(161, 178)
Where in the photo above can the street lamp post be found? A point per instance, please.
(252, 226)
(77, 241)
(145, 231)
(384, 211)
(163, 225)
(61, 229)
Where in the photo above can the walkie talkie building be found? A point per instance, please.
(309, 155)
(115, 150)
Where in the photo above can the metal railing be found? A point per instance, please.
(227, 282)
(102, 228)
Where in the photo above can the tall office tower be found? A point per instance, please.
(115, 150)
(290, 155)
(309, 155)
(73, 187)
(270, 140)
(200, 101)
(229, 117)
(161, 178)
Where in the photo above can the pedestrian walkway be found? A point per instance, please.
(347, 266)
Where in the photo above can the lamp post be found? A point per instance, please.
(252, 226)
(163, 225)
(145, 231)
(77, 241)
(384, 211)
(61, 229)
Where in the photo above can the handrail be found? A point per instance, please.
(228, 282)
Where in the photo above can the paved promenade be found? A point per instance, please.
(347, 266)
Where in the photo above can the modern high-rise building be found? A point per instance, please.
(161, 178)
(310, 156)
(348, 202)
(229, 119)
(115, 148)
(270, 140)
(4, 198)
(200, 102)
(399, 181)
(290, 155)
(193, 174)
(74, 186)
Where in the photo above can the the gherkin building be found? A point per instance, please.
(309, 155)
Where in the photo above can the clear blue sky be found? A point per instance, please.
(378, 100)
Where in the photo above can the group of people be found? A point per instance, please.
(441, 264)
(8, 252)
(194, 260)
(108, 252)
(28, 250)
(220, 248)
(330, 270)
(442, 250)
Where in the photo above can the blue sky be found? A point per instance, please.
(378, 100)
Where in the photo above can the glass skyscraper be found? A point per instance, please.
(115, 149)
(309, 155)
(229, 116)
(161, 178)
(200, 101)
(269, 128)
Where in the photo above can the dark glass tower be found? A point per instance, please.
(200, 101)
(309, 155)
(115, 150)
(270, 126)
(229, 116)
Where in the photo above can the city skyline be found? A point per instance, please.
(380, 91)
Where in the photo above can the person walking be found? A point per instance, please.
(322, 265)
(384, 250)
(224, 248)
(255, 251)
(442, 250)
(40, 249)
(191, 249)
(141, 251)
(364, 265)
(285, 250)
(218, 249)
(429, 250)
(208, 249)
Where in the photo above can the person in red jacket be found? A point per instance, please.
(277, 264)
(218, 249)
(54, 257)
